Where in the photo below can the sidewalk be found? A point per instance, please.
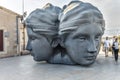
(25, 68)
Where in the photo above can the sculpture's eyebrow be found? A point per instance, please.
(80, 34)
(85, 33)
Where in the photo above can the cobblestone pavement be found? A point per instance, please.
(25, 68)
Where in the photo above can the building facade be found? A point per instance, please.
(11, 33)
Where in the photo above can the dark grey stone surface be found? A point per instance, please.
(71, 35)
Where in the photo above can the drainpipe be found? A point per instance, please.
(22, 19)
(23, 36)
(17, 35)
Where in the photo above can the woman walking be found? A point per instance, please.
(116, 49)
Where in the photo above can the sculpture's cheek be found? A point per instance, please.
(78, 52)
(41, 49)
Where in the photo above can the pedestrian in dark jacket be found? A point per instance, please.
(116, 49)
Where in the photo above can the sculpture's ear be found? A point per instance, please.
(62, 43)
(54, 42)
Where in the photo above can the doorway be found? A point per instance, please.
(1, 40)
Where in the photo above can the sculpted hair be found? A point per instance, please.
(45, 20)
(77, 13)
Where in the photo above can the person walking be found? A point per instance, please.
(112, 48)
(106, 46)
(116, 49)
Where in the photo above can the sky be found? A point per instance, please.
(109, 8)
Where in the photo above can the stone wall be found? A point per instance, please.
(8, 25)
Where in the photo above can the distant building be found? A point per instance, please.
(11, 33)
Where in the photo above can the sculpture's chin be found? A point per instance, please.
(87, 63)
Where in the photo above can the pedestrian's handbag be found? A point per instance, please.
(113, 46)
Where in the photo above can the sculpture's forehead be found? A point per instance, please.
(82, 24)
(88, 29)
(91, 15)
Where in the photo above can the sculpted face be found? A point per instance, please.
(83, 44)
(81, 28)
(42, 28)
(40, 45)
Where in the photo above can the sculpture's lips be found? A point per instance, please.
(90, 57)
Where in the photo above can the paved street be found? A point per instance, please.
(25, 68)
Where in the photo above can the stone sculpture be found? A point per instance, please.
(71, 35)
(42, 28)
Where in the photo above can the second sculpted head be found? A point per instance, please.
(81, 28)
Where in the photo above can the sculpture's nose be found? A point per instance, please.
(92, 47)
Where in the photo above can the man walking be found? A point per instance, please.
(106, 46)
